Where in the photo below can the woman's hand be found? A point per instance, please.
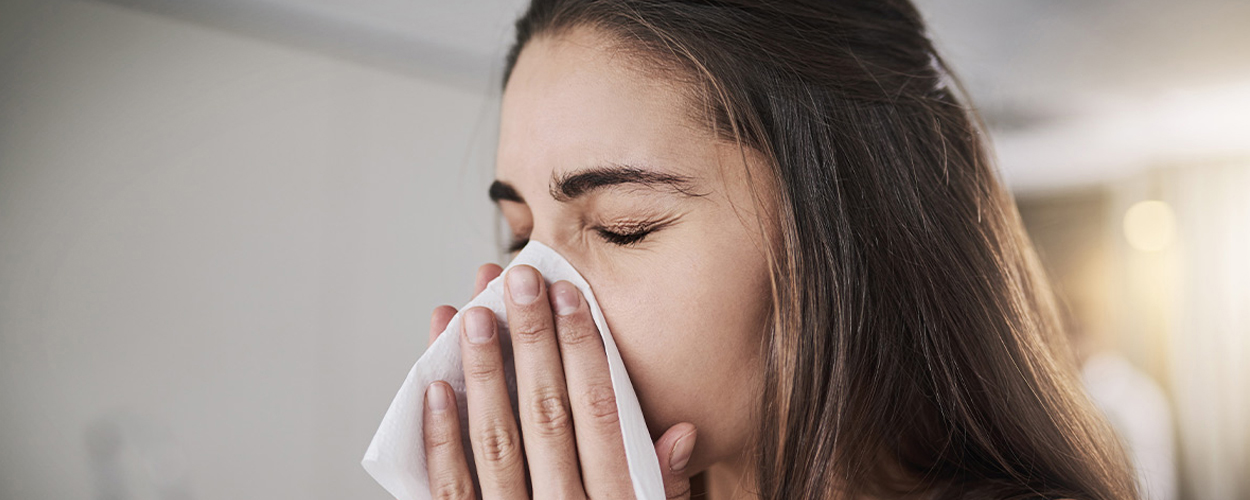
(562, 380)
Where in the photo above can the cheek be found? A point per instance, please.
(689, 330)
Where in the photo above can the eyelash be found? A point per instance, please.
(619, 239)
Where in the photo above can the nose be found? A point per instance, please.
(568, 250)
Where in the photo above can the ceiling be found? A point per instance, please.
(1076, 91)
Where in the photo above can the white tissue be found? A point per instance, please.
(396, 456)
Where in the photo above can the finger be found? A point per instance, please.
(438, 321)
(600, 448)
(543, 401)
(674, 450)
(485, 273)
(444, 452)
(492, 427)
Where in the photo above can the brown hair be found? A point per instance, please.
(915, 348)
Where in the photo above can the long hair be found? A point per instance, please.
(915, 348)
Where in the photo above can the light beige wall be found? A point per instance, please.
(217, 255)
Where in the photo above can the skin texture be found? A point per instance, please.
(688, 304)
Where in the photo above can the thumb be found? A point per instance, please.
(674, 449)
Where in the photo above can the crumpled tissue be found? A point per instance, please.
(396, 455)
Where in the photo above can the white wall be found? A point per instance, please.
(218, 255)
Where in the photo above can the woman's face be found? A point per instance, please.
(603, 163)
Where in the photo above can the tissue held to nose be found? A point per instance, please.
(611, 435)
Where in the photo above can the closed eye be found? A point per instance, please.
(613, 237)
(623, 239)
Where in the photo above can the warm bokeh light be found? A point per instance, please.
(1150, 226)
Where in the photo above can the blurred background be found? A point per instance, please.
(224, 224)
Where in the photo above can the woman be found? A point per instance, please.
(818, 285)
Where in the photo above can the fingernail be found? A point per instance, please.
(565, 297)
(523, 283)
(437, 396)
(477, 325)
(682, 449)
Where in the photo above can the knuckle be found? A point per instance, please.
(440, 440)
(453, 488)
(531, 333)
(498, 443)
(679, 491)
(551, 414)
(574, 331)
(482, 372)
(601, 405)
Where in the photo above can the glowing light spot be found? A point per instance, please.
(1150, 226)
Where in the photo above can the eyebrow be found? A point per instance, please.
(571, 185)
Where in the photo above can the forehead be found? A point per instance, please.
(576, 101)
